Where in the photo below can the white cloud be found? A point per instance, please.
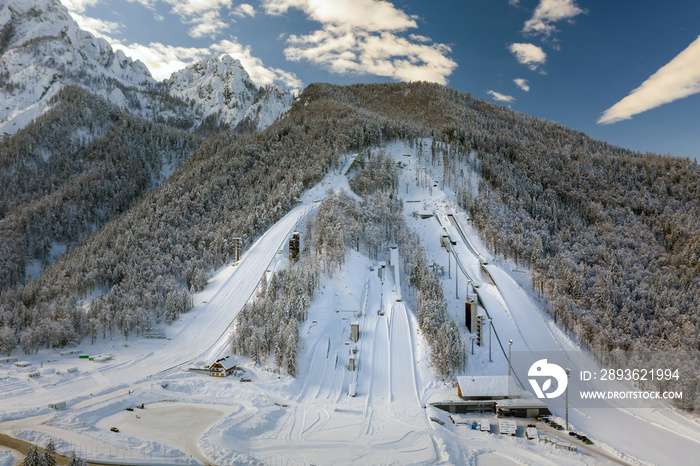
(370, 15)
(207, 24)
(361, 37)
(549, 12)
(528, 54)
(344, 51)
(522, 84)
(419, 38)
(192, 8)
(677, 79)
(204, 14)
(96, 27)
(78, 6)
(150, 4)
(498, 97)
(244, 9)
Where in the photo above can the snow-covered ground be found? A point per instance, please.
(194, 418)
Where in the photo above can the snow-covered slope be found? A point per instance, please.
(271, 102)
(312, 419)
(43, 50)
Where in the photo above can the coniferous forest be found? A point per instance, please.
(611, 236)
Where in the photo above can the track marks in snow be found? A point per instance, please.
(379, 391)
(403, 377)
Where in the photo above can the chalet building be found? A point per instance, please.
(221, 369)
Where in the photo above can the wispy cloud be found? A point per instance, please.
(528, 54)
(78, 6)
(549, 12)
(365, 37)
(370, 15)
(96, 27)
(677, 79)
(207, 24)
(522, 84)
(498, 97)
(244, 9)
(205, 15)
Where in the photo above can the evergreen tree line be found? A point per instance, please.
(448, 350)
(610, 236)
(47, 456)
(270, 322)
(67, 173)
(166, 245)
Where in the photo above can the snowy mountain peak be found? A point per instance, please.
(42, 50)
(215, 85)
(31, 20)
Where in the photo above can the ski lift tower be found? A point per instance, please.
(236, 249)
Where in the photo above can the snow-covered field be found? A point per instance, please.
(193, 418)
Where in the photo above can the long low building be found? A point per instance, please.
(483, 387)
(497, 394)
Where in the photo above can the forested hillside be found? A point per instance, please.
(68, 172)
(141, 264)
(612, 236)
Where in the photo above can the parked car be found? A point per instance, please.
(114, 429)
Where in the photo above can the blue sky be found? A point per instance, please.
(627, 72)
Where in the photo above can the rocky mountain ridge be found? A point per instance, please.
(42, 50)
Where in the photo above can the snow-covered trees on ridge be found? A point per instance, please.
(71, 170)
(612, 237)
(232, 186)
